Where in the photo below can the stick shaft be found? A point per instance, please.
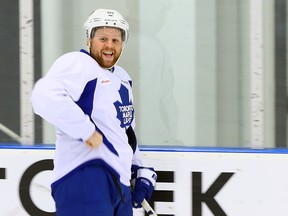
(10, 133)
(148, 208)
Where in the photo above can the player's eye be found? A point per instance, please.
(115, 40)
(103, 39)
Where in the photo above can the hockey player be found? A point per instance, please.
(88, 98)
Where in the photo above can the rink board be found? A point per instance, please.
(192, 181)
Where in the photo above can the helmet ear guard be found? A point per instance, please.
(107, 18)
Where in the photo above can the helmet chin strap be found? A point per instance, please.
(88, 46)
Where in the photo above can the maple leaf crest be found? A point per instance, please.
(125, 110)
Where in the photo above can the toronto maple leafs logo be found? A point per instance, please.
(125, 110)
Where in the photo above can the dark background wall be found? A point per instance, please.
(281, 73)
(9, 66)
(9, 69)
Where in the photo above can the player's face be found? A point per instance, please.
(106, 46)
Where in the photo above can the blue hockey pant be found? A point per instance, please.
(92, 191)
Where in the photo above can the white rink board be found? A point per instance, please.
(258, 186)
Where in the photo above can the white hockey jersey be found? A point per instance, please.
(78, 97)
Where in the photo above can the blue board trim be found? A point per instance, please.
(29, 147)
(164, 149)
(214, 149)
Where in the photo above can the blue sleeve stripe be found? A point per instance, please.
(86, 104)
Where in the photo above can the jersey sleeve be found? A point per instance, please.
(137, 158)
(53, 96)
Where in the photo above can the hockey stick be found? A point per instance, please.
(10, 133)
(148, 208)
